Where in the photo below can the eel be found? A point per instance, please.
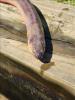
(35, 31)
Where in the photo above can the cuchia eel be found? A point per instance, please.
(35, 32)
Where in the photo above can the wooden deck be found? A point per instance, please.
(60, 70)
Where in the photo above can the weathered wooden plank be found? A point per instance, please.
(22, 82)
(61, 22)
(11, 27)
(24, 79)
(9, 70)
(18, 31)
(60, 70)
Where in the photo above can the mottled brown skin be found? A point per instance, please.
(35, 33)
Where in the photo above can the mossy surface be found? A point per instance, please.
(72, 2)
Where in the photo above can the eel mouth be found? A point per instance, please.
(39, 55)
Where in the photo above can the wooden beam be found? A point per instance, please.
(59, 70)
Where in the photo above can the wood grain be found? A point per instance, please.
(61, 22)
(13, 42)
(60, 41)
(60, 70)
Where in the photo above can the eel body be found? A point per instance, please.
(35, 32)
